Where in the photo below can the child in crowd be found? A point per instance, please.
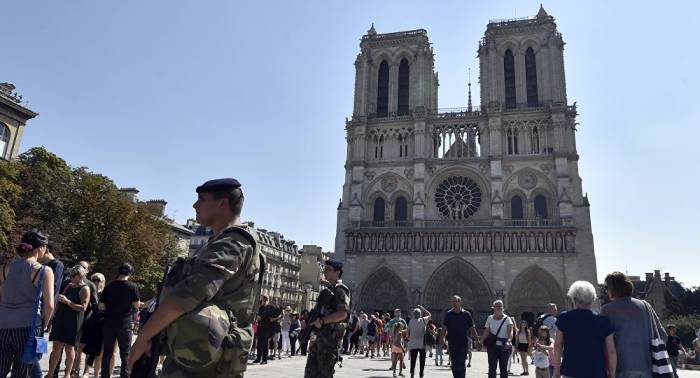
(398, 349)
(543, 355)
(439, 346)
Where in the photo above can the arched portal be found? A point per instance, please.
(532, 290)
(458, 277)
(383, 290)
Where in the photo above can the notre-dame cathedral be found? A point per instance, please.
(484, 201)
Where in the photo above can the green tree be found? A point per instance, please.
(46, 181)
(10, 194)
(85, 216)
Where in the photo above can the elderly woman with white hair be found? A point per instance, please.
(416, 338)
(584, 339)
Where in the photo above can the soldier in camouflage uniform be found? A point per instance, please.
(210, 299)
(330, 327)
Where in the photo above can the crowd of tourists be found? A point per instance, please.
(90, 321)
(277, 331)
(619, 341)
(87, 319)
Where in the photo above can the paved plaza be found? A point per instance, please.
(356, 366)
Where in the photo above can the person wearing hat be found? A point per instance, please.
(210, 298)
(330, 326)
(19, 280)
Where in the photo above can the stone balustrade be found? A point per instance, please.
(505, 240)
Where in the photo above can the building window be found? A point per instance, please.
(379, 205)
(4, 139)
(531, 78)
(516, 207)
(401, 210)
(509, 78)
(458, 197)
(383, 90)
(541, 207)
(404, 78)
(512, 140)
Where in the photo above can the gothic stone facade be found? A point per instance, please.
(483, 201)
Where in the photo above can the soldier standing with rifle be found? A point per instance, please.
(333, 307)
(209, 299)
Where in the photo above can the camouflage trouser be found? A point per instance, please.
(172, 370)
(322, 357)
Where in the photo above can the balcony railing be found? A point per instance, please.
(491, 240)
(444, 223)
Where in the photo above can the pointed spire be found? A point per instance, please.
(542, 13)
(469, 85)
(372, 31)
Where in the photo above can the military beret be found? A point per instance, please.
(219, 185)
(335, 264)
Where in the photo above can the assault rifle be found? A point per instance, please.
(325, 298)
(146, 365)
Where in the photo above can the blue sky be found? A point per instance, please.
(162, 95)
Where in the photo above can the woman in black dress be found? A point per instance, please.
(72, 303)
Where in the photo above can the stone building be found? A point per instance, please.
(311, 273)
(662, 292)
(156, 207)
(484, 201)
(13, 117)
(281, 279)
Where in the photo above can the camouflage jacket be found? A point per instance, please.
(223, 272)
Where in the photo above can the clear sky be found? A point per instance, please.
(162, 95)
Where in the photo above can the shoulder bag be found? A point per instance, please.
(35, 345)
(660, 362)
(491, 340)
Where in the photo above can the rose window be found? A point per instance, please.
(458, 197)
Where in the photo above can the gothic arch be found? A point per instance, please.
(505, 46)
(379, 185)
(530, 42)
(458, 277)
(507, 202)
(383, 290)
(543, 182)
(401, 54)
(531, 290)
(548, 196)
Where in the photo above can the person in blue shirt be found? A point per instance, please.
(460, 326)
(584, 338)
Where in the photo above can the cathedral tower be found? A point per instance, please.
(484, 202)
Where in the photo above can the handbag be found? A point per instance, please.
(491, 340)
(660, 362)
(35, 345)
(541, 359)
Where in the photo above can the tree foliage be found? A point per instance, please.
(686, 326)
(85, 216)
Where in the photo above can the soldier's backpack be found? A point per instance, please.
(226, 319)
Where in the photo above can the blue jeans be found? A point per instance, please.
(438, 354)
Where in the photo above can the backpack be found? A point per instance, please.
(226, 318)
(539, 323)
(372, 329)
